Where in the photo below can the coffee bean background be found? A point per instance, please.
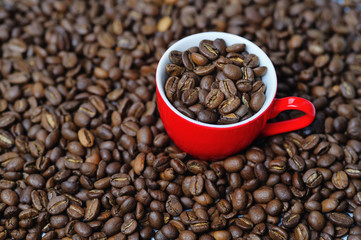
(84, 155)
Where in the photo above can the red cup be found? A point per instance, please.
(211, 142)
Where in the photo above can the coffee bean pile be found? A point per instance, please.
(227, 90)
(84, 155)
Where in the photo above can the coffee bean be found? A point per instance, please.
(239, 199)
(233, 164)
(257, 101)
(207, 116)
(340, 180)
(187, 235)
(128, 227)
(214, 98)
(312, 178)
(92, 209)
(329, 204)
(244, 223)
(221, 46)
(86, 138)
(341, 219)
(237, 47)
(257, 214)
(263, 195)
(204, 70)
(75, 211)
(176, 57)
(207, 48)
(228, 88)
(233, 72)
(189, 97)
(9, 197)
(199, 59)
(83, 229)
(316, 220)
(199, 226)
(229, 105)
(156, 220)
(6, 140)
(169, 231)
(173, 206)
(57, 205)
(119, 180)
(6, 120)
(277, 233)
(112, 226)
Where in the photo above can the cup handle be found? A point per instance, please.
(289, 103)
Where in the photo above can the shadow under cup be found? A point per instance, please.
(210, 141)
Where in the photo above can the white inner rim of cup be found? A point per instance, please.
(270, 78)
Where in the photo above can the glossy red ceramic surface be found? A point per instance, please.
(210, 143)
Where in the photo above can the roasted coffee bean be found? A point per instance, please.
(340, 180)
(83, 229)
(171, 87)
(257, 101)
(263, 195)
(214, 98)
(173, 206)
(6, 140)
(229, 105)
(204, 70)
(221, 45)
(244, 85)
(187, 235)
(9, 197)
(207, 116)
(187, 60)
(353, 170)
(244, 223)
(129, 227)
(277, 233)
(239, 199)
(176, 57)
(237, 47)
(199, 59)
(112, 226)
(170, 231)
(291, 221)
(233, 72)
(58, 204)
(316, 220)
(296, 163)
(257, 214)
(312, 178)
(86, 138)
(233, 164)
(189, 97)
(228, 88)
(92, 209)
(156, 220)
(75, 211)
(199, 226)
(341, 219)
(207, 48)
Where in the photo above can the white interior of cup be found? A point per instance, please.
(270, 78)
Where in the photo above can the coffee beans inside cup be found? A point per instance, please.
(215, 83)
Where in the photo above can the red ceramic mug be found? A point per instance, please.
(209, 141)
